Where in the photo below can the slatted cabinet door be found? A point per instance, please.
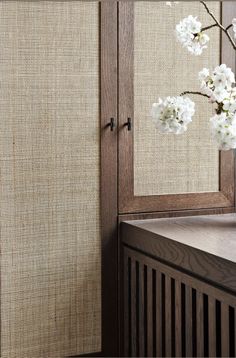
(169, 313)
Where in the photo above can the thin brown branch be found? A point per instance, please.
(219, 24)
(228, 27)
(194, 92)
(208, 27)
(212, 15)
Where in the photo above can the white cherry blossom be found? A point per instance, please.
(218, 84)
(188, 33)
(229, 104)
(204, 75)
(173, 114)
(225, 74)
(223, 128)
(219, 94)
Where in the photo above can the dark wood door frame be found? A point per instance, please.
(128, 203)
(111, 100)
(108, 100)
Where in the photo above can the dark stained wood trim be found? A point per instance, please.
(128, 203)
(188, 321)
(159, 303)
(227, 159)
(150, 304)
(186, 277)
(225, 334)
(204, 265)
(126, 92)
(178, 345)
(133, 303)
(212, 326)
(176, 202)
(168, 338)
(169, 214)
(228, 55)
(108, 37)
(197, 306)
(200, 325)
(125, 312)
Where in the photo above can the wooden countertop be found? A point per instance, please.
(204, 245)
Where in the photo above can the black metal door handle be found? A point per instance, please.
(112, 124)
(129, 124)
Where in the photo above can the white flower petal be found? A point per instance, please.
(223, 128)
(173, 114)
(188, 33)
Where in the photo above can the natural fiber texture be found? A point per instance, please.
(170, 164)
(49, 152)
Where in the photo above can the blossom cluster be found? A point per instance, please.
(223, 128)
(173, 114)
(189, 34)
(218, 84)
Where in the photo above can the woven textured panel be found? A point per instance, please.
(170, 164)
(49, 152)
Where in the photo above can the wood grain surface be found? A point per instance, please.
(108, 35)
(204, 312)
(203, 245)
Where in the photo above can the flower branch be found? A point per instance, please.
(228, 27)
(225, 30)
(212, 15)
(208, 27)
(174, 114)
(195, 93)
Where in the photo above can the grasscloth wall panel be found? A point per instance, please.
(49, 152)
(169, 164)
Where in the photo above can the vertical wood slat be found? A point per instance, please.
(133, 310)
(188, 321)
(141, 310)
(200, 324)
(149, 313)
(168, 352)
(224, 330)
(151, 292)
(127, 338)
(108, 184)
(125, 101)
(212, 326)
(178, 319)
(158, 315)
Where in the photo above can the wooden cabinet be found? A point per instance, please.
(179, 287)
(69, 70)
(167, 172)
